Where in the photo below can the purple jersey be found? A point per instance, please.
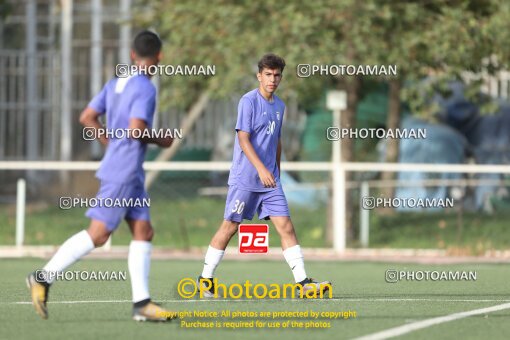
(122, 99)
(263, 121)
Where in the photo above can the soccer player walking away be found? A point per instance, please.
(129, 104)
(254, 180)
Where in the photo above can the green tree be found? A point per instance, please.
(436, 39)
(234, 34)
(439, 39)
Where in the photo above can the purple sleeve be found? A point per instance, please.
(244, 116)
(144, 104)
(98, 103)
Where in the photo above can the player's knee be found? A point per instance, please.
(287, 228)
(144, 234)
(100, 240)
(149, 234)
(98, 233)
(229, 227)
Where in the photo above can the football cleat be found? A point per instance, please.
(39, 291)
(309, 285)
(208, 287)
(152, 311)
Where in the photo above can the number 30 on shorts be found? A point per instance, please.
(238, 207)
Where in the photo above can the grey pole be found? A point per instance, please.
(20, 212)
(338, 190)
(66, 36)
(32, 117)
(364, 216)
(125, 32)
(96, 60)
(337, 101)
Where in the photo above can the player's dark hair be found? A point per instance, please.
(272, 62)
(147, 44)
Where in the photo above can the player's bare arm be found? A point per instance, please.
(139, 124)
(90, 118)
(266, 177)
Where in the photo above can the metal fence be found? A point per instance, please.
(45, 85)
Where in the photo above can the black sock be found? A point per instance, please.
(142, 303)
(305, 281)
(40, 277)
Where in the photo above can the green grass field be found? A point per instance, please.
(191, 222)
(178, 224)
(91, 310)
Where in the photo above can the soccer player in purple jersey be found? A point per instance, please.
(254, 181)
(128, 103)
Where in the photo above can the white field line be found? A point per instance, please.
(404, 329)
(265, 300)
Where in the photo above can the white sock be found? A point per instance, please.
(212, 260)
(71, 251)
(294, 258)
(139, 262)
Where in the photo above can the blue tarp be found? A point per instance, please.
(443, 145)
(488, 136)
(464, 130)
